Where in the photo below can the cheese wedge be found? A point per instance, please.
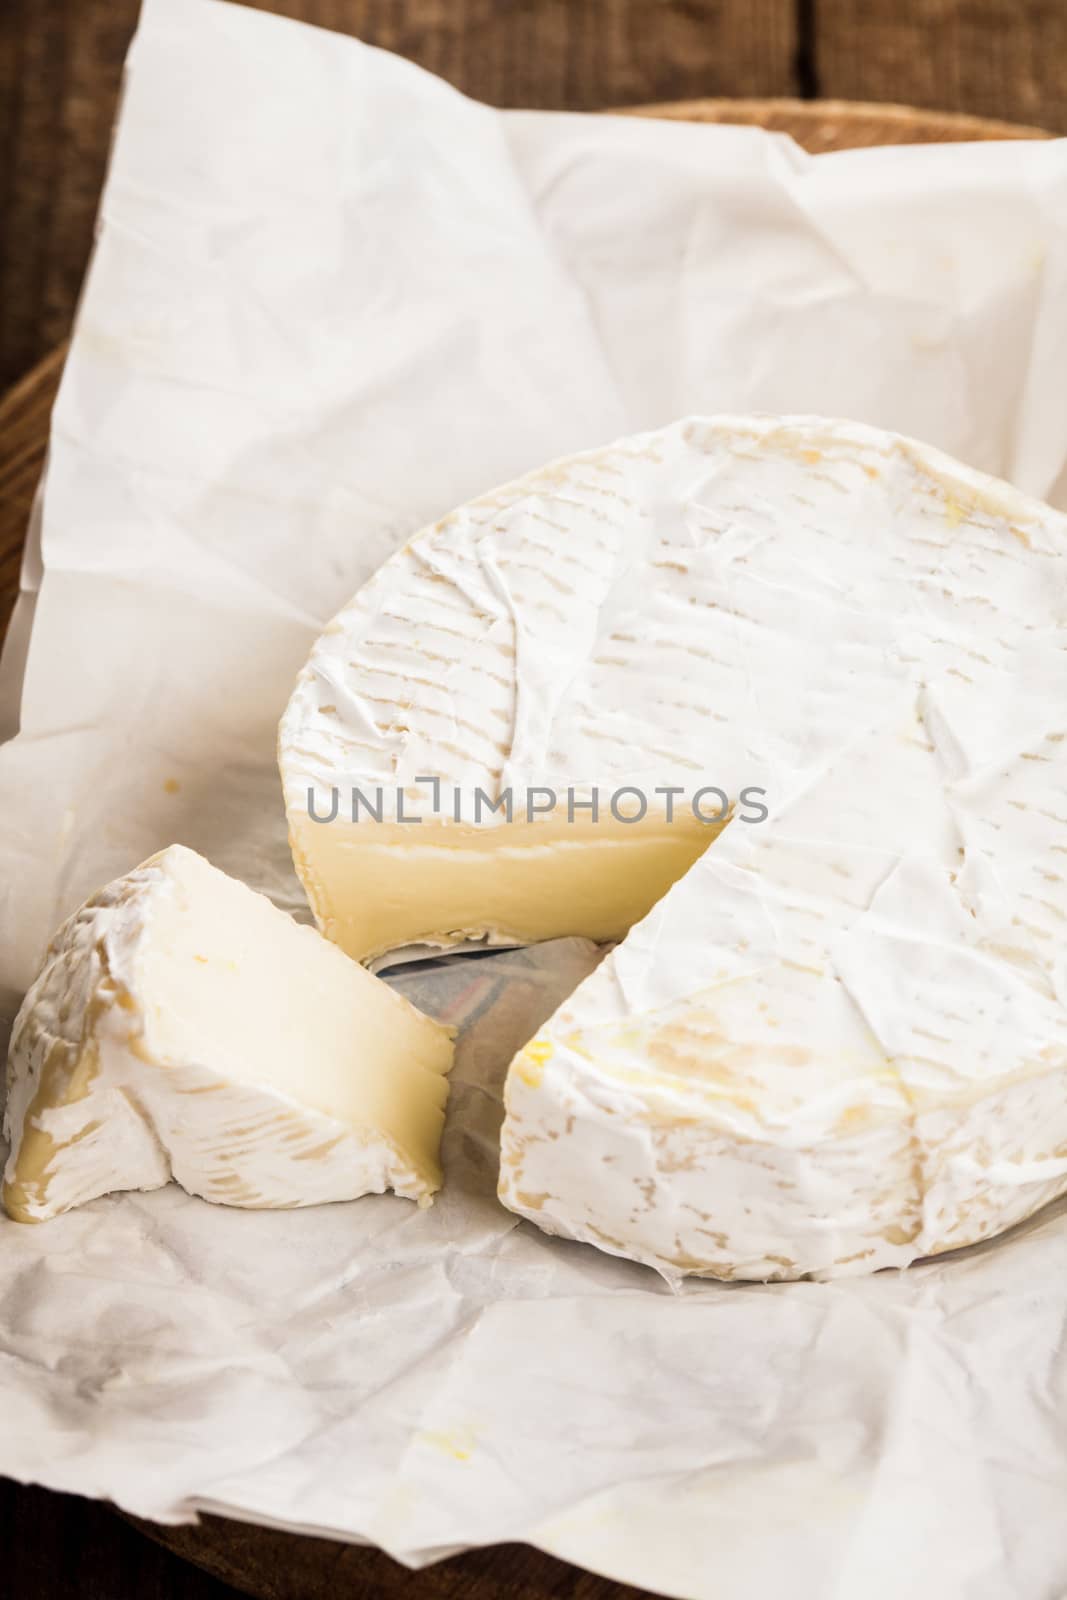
(835, 1037)
(183, 1027)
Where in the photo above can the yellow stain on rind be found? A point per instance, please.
(955, 511)
(531, 1061)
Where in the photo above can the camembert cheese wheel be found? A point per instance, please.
(833, 1036)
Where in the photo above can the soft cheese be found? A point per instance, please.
(838, 1042)
(182, 1026)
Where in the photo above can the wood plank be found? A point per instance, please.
(996, 58)
(273, 1565)
(24, 416)
(32, 53)
(577, 54)
(59, 1546)
(61, 62)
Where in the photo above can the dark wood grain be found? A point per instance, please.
(60, 1546)
(57, 1545)
(281, 1566)
(61, 64)
(24, 414)
(61, 61)
(996, 58)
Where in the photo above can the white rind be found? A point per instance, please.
(767, 1101)
(874, 1068)
(121, 1118)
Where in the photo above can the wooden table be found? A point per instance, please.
(59, 66)
(60, 62)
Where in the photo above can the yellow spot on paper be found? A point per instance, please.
(457, 1443)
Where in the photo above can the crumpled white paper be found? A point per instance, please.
(331, 299)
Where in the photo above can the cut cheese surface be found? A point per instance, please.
(183, 1027)
(376, 888)
(833, 1039)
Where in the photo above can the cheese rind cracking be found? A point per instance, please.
(182, 1026)
(838, 1041)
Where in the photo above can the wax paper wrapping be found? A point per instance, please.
(330, 299)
